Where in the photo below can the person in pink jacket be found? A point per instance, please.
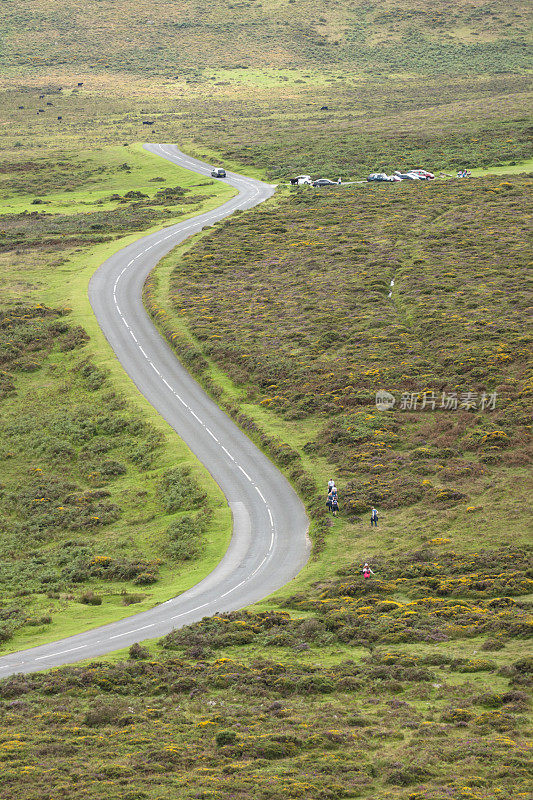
(367, 572)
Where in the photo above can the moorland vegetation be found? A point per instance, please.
(141, 37)
(330, 297)
(413, 685)
(294, 317)
(346, 692)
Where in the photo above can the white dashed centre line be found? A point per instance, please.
(61, 652)
(135, 630)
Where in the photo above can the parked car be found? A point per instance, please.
(324, 182)
(423, 173)
(409, 176)
(218, 172)
(302, 180)
(382, 176)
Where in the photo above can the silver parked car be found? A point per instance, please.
(378, 176)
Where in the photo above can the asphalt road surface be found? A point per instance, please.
(269, 545)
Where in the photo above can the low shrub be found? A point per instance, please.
(91, 599)
(225, 737)
(102, 712)
(179, 491)
(145, 578)
(129, 599)
(137, 651)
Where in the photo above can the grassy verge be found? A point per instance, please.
(524, 166)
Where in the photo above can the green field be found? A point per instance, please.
(413, 685)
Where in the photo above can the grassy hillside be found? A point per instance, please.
(370, 125)
(272, 120)
(412, 685)
(333, 295)
(297, 314)
(280, 85)
(143, 37)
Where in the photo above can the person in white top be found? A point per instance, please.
(374, 518)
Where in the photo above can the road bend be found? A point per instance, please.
(269, 543)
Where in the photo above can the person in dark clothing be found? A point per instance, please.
(334, 505)
(374, 518)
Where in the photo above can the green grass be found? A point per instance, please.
(509, 169)
(106, 175)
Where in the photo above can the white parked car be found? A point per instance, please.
(409, 176)
(378, 176)
(302, 180)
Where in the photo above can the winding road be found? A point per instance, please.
(269, 545)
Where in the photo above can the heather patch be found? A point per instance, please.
(391, 721)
